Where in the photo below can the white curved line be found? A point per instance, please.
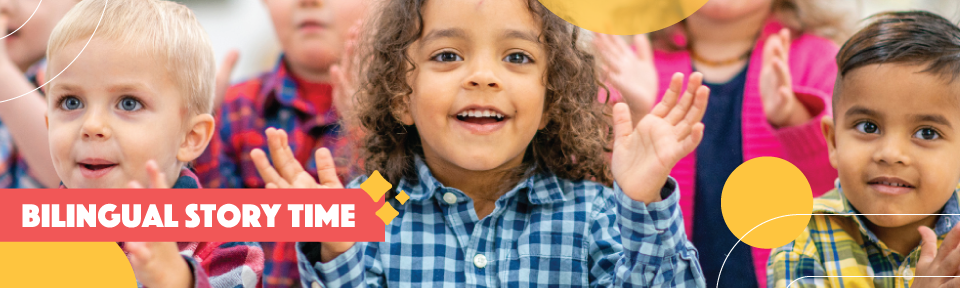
(74, 58)
(24, 23)
(882, 276)
(739, 239)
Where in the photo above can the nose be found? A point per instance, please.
(482, 77)
(95, 128)
(311, 3)
(893, 150)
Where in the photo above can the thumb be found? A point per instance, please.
(622, 125)
(326, 169)
(928, 248)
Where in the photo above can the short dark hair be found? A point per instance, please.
(911, 37)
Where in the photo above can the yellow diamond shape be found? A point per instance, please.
(387, 213)
(402, 197)
(376, 186)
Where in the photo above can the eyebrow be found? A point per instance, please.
(860, 110)
(938, 119)
(517, 34)
(445, 33)
(127, 87)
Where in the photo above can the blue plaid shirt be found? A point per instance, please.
(544, 232)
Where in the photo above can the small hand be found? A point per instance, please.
(346, 78)
(158, 264)
(223, 77)
(631, 73)
(644, 155)
(158, 180)
(776, 87)
(292, 175)
(938, 263)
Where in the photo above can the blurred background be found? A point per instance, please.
(245, 25)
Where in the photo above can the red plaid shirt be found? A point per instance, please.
(274, 99)
(222, 264)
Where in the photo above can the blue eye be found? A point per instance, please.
(867, 127)
(927, 134)
(518, 58)
(70, 103)
(129, 104)
(446, 57)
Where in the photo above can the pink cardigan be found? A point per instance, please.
(814, 71)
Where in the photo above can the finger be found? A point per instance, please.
(611, 62)
(785, 43)
(139, 253)
(693, 140)
(327, 169)
(949, 242)
(134, 185)
(769, 48)
(271, 186)
(266, 171)
(949, 262)
(952, 283)
(783, 71)
(622, 125)
(223, 75)
(644, 48)
(701, 98)
(282, 155)
(928, 247)
(304, 180)
(158, 180)
(678, 112)
(670, 97)
(622, 47)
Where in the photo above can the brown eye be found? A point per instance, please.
(927, 134)
(447, 57)
(518, 58)
(867, 127)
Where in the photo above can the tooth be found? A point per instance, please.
(486, 113)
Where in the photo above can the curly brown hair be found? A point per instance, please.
(571, 145)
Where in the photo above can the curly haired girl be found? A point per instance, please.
(483, 113)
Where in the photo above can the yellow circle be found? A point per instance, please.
(762, 189)
(61, 264)
(623, 17)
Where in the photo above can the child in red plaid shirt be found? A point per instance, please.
(301, 95)
(136, 108)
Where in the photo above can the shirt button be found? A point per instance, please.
(907, 274)
(480, 261)
(315, 285)
(449, 198)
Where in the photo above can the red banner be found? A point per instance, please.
(191, 215)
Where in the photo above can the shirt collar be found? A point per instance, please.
(540, 188)
(187, 180)
(279, 89)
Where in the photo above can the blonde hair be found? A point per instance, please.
(824, 18)
(165, 30)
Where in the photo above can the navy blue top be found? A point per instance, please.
(720, 152)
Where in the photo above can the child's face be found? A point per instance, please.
(723, 10)
(478, 90)
(896, 141)
(110, 113)
(29, 44)
(312, 32)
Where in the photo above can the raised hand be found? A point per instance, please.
(776, 89)
(158, 180)
(158, 264)
(346, 78)
(286, 171)
(938, 263)
(223, 77)
(631, 73)
(290, 174)
(643, 155)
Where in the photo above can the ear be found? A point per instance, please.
(543, 122)
(830, 135)
(402, 111)
(198, 136)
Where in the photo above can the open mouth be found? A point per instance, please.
(95, 168)
(891, 185)
(481, 116)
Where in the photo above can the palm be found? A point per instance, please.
(776, 89)
(643, 155)
(631, 73)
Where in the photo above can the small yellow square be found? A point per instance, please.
(403, 197)
(376, 186)
(387, 213)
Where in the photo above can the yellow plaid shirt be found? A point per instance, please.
(835, 245)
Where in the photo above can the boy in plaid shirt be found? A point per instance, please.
(895, 141)
(135, 108)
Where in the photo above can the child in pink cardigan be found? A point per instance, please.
(770, 85)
